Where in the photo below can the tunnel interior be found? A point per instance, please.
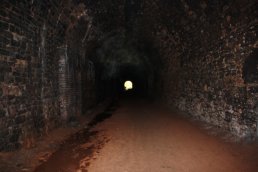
(118, 57)
(59, 58)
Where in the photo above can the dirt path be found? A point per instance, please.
(144, 138)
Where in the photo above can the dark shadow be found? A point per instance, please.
(250, 68)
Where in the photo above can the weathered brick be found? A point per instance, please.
(217, 60)
(20, 119)
(29, 61)
(2, 113)
(4, 25)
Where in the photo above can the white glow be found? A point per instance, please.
(128, 85)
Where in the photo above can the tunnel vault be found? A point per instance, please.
(58, 58)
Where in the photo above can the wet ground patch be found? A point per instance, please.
(100, 118)
(103, 116)
(76, 152)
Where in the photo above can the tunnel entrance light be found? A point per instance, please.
(128, 85)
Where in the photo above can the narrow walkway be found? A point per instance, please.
(144, 138)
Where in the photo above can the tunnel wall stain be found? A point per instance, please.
(32, 90)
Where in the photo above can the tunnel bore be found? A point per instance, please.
(61, 58)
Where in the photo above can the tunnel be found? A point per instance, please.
(193, 67)
(118, 58)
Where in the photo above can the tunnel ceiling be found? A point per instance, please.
(136, 26)
(126, 31)
(148, 35)
(118, 51)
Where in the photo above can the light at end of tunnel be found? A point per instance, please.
(128, 85)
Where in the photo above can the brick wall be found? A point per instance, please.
(39, 78)
(208, 54)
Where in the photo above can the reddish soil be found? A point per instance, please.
(145, 138)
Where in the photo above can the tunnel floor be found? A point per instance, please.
(141, 137)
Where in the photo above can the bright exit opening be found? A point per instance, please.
(128, 85)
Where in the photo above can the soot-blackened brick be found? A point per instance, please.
(250, 68)
(228, 117)
(20, 119)
(2, 112)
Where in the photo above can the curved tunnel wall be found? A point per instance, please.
(54, 60)
(204, 55)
